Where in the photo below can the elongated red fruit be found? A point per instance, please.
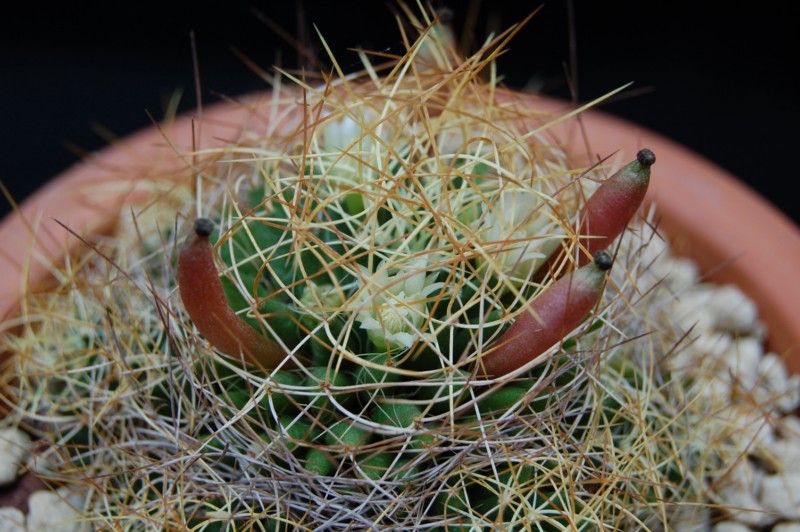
(609, 210)
(204, 299)
(558, 310)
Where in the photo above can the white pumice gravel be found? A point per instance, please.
(49, 511)
(781, 493)
(15, 447)
(732, 310)
(743, 506)
(748, 392)
(12, 520)
(742, 360)
(730, 526)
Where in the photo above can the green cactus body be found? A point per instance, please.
(319, 462)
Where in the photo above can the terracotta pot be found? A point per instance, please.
(33, 237)
(732, 233)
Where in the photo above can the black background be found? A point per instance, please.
(718, 80)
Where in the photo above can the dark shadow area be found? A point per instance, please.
(714, 80)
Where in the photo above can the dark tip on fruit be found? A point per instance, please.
(603, 260)
(646, 157)
(203, 227)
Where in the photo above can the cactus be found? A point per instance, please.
(383, 245)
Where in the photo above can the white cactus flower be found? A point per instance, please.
(394, 305)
